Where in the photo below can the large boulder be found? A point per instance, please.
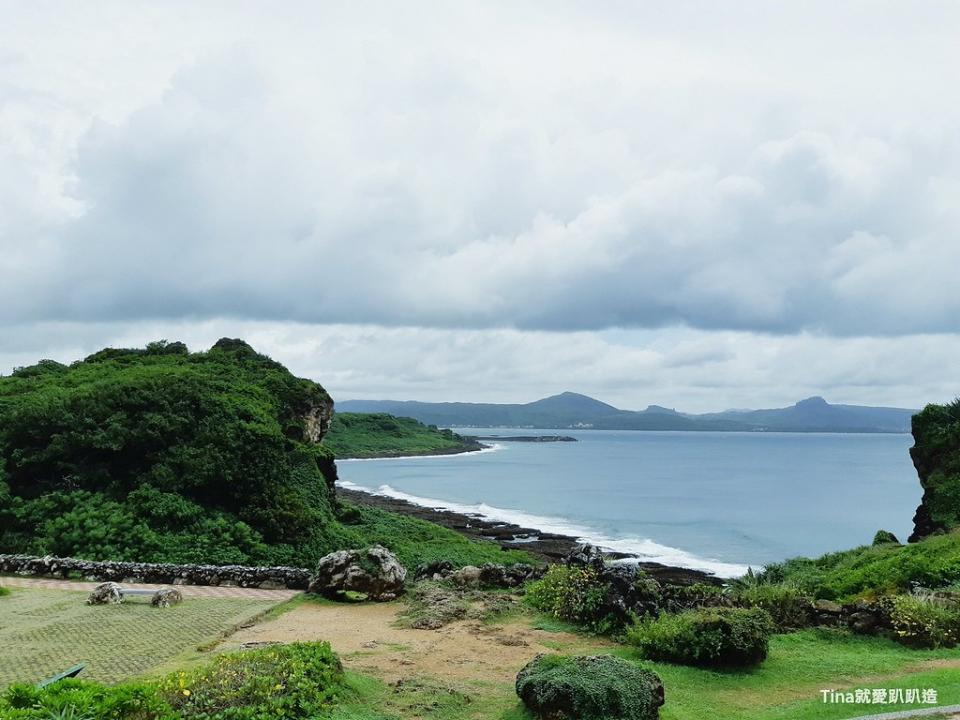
(376, 572)
(108, 593)
(598, 687)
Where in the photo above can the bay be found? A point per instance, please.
(714, 501)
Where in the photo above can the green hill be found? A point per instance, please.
(162, 455)
(368, 435)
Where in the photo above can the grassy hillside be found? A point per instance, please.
(366, 435)
(874, 570)
(162, 455)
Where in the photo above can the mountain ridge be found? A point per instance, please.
(568, 410)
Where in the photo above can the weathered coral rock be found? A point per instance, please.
(376, 572)
(165, 597)
(108, 593)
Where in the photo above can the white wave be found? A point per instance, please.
(489, 449)
(644, 548)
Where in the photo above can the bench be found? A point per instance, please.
(68, 673)
(129, 591)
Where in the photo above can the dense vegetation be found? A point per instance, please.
(162, 455)
(299, 680)
(707, 637)
(364, 435)
(936, 455)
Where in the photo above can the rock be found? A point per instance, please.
(165, 597)
(585, 555)
(375, 572)
(827, 606)
(491, 575)
(468, 576)
(108, 593)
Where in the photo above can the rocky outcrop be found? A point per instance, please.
(489, 575)
(936, 456)
(157, 573)
(375, 572)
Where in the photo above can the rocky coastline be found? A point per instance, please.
(547, 547)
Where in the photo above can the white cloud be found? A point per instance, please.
(790, 169)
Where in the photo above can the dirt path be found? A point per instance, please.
(189, 591)
(368, 639)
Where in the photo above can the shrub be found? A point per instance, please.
(885, 537)
(926, 621)
(288, 681)
(291, 681)
(573, 593)
(4, 591)
(789, 607)
(600, 687)
(709, 637)
(81, 699)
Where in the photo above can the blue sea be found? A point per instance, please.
(714, 501)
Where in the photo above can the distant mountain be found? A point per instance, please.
(573, 410)
(816, 414)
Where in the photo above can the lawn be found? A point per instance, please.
(45, 631)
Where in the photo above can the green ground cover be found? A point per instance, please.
(417, 541)
(786, 687)
(874, 569)
(364, 435)
(43, 632)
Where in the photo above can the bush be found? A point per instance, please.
(600, 687)
(81, 699)
(576, 594)
(790, 608)
(926, 621)
(287, 681)
(4, 591)
(709, 637)
(885, 537)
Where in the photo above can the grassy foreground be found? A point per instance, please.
(786, 687)
(372, 435)
(45, 631)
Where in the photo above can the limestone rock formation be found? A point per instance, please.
(375, 572)
(165, 597)
(108, 593)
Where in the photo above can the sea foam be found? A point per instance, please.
(644, 548)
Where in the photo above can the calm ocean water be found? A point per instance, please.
(716, 501)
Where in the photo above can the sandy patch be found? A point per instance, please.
(368, 640)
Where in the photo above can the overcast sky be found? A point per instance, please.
(697, 204)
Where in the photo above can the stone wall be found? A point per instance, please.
(160, 573)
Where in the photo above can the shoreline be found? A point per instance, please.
(546, 547)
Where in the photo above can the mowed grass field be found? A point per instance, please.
(43, 632)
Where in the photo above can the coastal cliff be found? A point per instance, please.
(936, 456)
